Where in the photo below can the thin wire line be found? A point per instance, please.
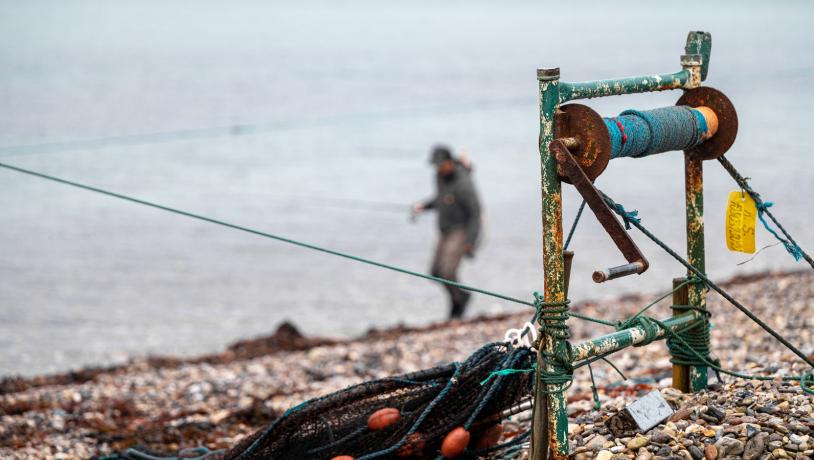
(267, 235)
(249, 128)
(637, 223)
(574, 225)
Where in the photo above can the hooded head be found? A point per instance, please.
(443, 160)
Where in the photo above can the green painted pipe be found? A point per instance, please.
(627, 85)
(620, 340)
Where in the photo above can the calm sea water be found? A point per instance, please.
(344, 100)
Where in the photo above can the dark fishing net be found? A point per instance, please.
(430, 403)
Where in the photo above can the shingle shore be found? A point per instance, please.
(167, 405)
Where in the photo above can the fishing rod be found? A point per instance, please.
(344, 203)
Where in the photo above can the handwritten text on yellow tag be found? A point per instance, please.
(741, 218)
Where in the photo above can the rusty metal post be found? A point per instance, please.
(568, 258)
(697, 293)
(681, 372)
(550, 417)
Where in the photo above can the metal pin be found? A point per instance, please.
(600, 276)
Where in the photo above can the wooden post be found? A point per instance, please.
(681, 372)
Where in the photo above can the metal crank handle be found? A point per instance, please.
(568, 167)
(600, 276)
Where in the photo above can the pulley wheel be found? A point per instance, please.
(593, 150)
(718, 144)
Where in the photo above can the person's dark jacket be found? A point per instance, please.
(457, 203)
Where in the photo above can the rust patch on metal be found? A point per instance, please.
(694, 178)
(593, 149)
(720, 143)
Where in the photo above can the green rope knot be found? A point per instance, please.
(650, 327)
(558, 371)
(508, 372)
(691, 346)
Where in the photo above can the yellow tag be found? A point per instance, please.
(741, 217)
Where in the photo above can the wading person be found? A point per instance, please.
(459, 218)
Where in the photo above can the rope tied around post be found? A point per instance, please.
(559, 369)
(650, 328)
(694, 341)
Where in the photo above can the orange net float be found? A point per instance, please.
(455, 442)
(383, 418)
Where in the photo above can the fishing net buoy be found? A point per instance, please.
(489, 437)
(383, 418)
(412, 446)
(455, 443)
(342, 457)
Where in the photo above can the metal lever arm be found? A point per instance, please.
(568, 167)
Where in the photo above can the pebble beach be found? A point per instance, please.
(163, 404)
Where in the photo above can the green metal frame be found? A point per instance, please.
(550, 417)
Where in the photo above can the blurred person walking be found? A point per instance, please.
(459, 221)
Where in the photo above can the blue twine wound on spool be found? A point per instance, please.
(637, 133)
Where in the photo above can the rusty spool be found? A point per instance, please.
(724, 110)
(588, 139)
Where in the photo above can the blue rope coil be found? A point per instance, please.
(637, 133)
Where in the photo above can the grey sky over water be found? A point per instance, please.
(351, 96)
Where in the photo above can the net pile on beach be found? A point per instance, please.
(444, 412)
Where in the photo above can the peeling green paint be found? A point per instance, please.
(618, 86)
(550, 405)
(629, 337)
(700, 43)
(694, 189)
